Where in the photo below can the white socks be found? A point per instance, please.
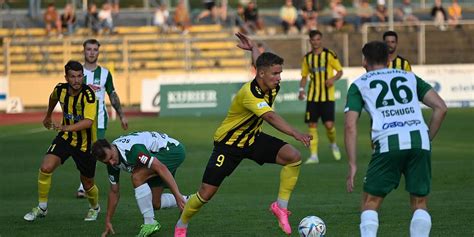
(420, 225)
(168, 200)
(145, 203)
(369, 223)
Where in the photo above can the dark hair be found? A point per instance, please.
(72, 65)
(313, 33)
(268, 59)
(375, 53)
(90, 41)
(98, 147)
(390, 33)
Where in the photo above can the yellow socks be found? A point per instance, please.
(288, 178)
(44, 184)
(331, 133)
(192, 207)
(313, 146)
(93, 196)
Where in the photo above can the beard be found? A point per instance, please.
(390, 50)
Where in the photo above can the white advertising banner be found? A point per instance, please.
(454, 83)
(150, 101)
(3, 93)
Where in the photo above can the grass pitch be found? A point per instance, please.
(240, 208)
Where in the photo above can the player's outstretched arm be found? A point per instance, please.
(166, 176)
(436, 103)
(350, 140)
(247, 44)
(279, 123)
(112, 201)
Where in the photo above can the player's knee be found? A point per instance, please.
(418, 203)
(47, 169)
(88, 183)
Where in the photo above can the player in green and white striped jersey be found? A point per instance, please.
(100, 80)
(401, 137)
(152, 158)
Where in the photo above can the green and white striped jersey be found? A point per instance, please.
(391, 97)
(100, 80)
(138, 148)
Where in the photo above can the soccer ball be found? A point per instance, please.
(312, 226)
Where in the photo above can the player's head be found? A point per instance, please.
(391, 39)
(315, 39)
(91, 50)
(269, 67)
(103, 151)
(375, 54)
(74, 74)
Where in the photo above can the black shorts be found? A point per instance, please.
(85, 163)
(315, 110)
(224, 158)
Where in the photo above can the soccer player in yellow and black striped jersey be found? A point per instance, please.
(76, 134)
(396, 61)
(240, 136)
(319, 64)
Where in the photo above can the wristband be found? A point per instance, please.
(301, 89)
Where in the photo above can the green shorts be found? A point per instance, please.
(172, 158)
(385, 169)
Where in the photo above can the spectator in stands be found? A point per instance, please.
(68, 19)
(455, 13)
(309, 16)
(210, 9)
(92, 19)
(338, 13)
(365, 13)
(252, 19)
(222, 11)
(381, 14)
(105, 17)
(181, 17)
(51, 20)
(438, 13)
(240, 20)
(161, 18)
(288, 17)
(405, 12)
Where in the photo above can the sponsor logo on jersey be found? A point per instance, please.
(262, 105)
(318, 69)
(143, 158)
(395, 124)
(73, 117)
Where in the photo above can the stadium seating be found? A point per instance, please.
(205, 47)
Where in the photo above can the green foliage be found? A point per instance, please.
(240, 208)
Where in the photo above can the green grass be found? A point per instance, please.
(240, 208)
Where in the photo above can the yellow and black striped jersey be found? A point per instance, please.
(75, 109)
(243, 122)
(319, 68)
(400, 63)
